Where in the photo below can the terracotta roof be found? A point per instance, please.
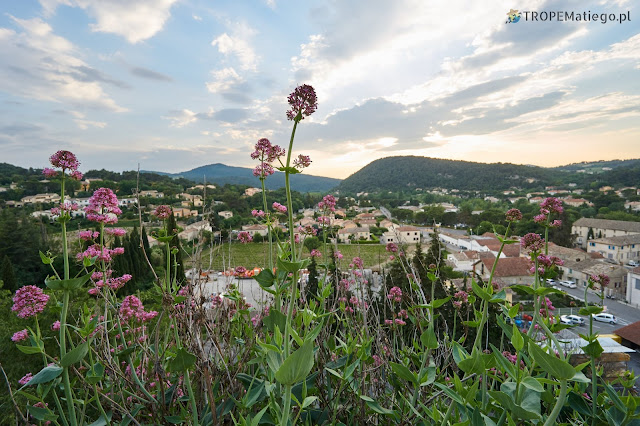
(622, 240)
(620, 225)
(630, 332)
(407, 229)
(509, 267)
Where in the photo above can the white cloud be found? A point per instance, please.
(85, 124)
(238, 45)
(182, 118)
(135, 20)
(47, 67)
(223, 79)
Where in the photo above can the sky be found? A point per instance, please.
(171, 85)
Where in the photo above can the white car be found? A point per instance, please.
(605, 318)
(569, 284)
(633, 263)
(565, 320)
(575, 319)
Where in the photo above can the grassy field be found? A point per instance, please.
(257, 254)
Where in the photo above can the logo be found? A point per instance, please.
(514, 16)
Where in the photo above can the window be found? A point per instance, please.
(637, 284)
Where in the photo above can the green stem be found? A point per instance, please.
(63, 351)
(551, 420)
(192, 398)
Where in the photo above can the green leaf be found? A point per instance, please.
(516, 339)
(297, 365)
(428, 377)
(473, 364)
(95, 373)
(175, 420)
(40, 413)
(89, 261)
(75, 355)
(334, 372)
(439, 302)
(543, 291)
(533, 384)
(45, 259)
(593, 349)
(126, 352)
(308, 401)
(450, 393)
(182, 361)
(70, 284)
(290, 170)
(580, 377)
(522, 289)
(403, 372)
(499, 297)
(275, 318)
(513, 311)
(377, 408)
(481, 293)
(45, 375)
(588, 310)
(256, 420)
(507, 402)
(459, 352)
(429, 339)
(289, 266)
(265, 278)
(101, 420)
(557, 368)
(30, 349)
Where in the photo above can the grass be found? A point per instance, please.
(257, 255)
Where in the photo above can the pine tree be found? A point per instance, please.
(311, 289)
(8, 276)
(172, 226)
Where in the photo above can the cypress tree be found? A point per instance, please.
(172, 226)
(8, 275)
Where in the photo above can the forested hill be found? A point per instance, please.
(222, 174)
(409, 172)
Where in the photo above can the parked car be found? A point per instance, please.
(565, 320)
(633, 263)
(569, 284)
(575, 319)
(605, 318)
(551, 282)
(613, 262)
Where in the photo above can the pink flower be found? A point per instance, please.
(49, 172)
(162, 212)
(328, 202)
(400, 322)
(103, 206)
(19, 336)
(600, 279)
(118, 232)
(395, 294)
(513, 215)
(244, 237)
(240, 270)
(302, 161)
(337, 255)
(29, 301)
(323, 220)
(105, 254)
(377, 361)
(303, 102)
(88, 235)
(64, 160)
(551, 205)
(257, 213)
(132, 307)
(358, 263)
(279, 207)
(555, 224)
(55, 326)
(263, 170)
(76, 175)
(462, 296)
(532, 242)
(27, 377)
(391, 247)
(540, 218)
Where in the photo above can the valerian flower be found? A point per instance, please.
(29, 301)
(303, 102)
(64, 160)
(513, 215)
(162, 212)
(532, 242)
(279, 207)
(103, 206)
(244, 237)
(19, 336)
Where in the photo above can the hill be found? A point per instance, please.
(409, 172)
(222, 174)
(599, 166)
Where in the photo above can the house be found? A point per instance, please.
(536, 200)
(576, 202)
(388, 237)
(633, 287)
(408, 234)
(184, 213)
(579, 271)
(225, 214)
(630, 335)
(358, 233)
(125, 202)
(249, 192)
(151, 193)
(201, 187)
(256, 229)
(622, 249)
(41, 198)
(193, 230)
(587, 228)
(306, 221)
(632, 205)
(386, 223)
(509, 271)
(492, 199)
(367, 222)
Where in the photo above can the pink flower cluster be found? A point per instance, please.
(25, 379)
(395, 294)
(316, 253)
(532, 242)
(302, 162)
(324, 220)
(64, 160)
(328, 202)
(303, 102)
(103, 206)
(601, 279)
(513, 215)
(357, 263)
(29, 301)
(279, 208)
(102, 280)
(118, 232)
(244, 237)
(88, 235)
(64, 208)
(307, 230)
(55, 326)
(20, 336)
(267, 154)
(391, 247)
(132, 307)
(547, 207)
(257, 213)
(106, 254)
(162, 212)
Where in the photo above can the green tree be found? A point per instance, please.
(8, 276)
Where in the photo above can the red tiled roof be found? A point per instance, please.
(630, 332)
(509, 267)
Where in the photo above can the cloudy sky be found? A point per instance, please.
(177, 84)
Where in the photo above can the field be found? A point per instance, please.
(257, 255)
